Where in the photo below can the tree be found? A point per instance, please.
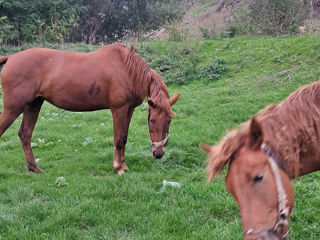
(37, 20)
(111, 20)
(90, 21)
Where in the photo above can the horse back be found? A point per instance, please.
(69, 80)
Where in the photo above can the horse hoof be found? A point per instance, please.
(120, 172)
(39, 170)
(35, 170)
(125, 167)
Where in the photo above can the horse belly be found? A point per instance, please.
(81, 90)
(78, 100)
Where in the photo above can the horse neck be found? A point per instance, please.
(298, 155)
(309, 167)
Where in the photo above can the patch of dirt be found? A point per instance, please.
(210, 19)
(214, 18)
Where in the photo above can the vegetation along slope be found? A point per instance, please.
(222, 83)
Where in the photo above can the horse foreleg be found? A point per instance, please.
(121, 121)
(30, 117)
(123, 161)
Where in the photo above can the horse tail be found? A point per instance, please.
(3, 60)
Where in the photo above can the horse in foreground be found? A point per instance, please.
(280, 143)
(113, 77)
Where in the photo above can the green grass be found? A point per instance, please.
(97, 204)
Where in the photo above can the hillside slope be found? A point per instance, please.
(94, 203)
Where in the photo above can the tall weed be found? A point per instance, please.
(176, 34)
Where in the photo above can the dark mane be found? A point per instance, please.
(145, 82)
(289, 128)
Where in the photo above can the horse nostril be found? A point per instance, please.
(283, 216)
(158, 155)
(261, 238)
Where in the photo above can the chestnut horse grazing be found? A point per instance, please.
(114, 77)
(280, 143)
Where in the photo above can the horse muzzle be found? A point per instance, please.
(157, 154)
(270, 235)
(158, 151)
(158, 147)
(266, 235)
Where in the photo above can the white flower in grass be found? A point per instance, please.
(34, 144)
(87, 141)
(61, 181)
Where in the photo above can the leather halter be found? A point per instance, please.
(283, 209)
(161, 143)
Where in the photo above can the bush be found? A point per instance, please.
(214, 70)
(274, 17)
(207, 34)
(240, 23)
(97, 21)
(270, 17)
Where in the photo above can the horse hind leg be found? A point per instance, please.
(30, 117)
(6, 119)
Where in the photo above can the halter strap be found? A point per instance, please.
(273, 156)
(283, 210)
(161, 143)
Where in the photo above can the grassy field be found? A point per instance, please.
(94, 203)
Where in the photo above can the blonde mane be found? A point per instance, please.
(291, 128)
(145, 82)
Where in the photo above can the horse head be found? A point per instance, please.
(159, 122)
(256, 180)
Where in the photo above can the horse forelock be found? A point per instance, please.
(222, 153)
(230, 145)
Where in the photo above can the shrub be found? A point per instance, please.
(214, 70)
(207, 34)
(274, 17)
(270, 17)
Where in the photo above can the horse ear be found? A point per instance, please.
(174, 99)
(151, 103)
(206, 148)
(255, 134)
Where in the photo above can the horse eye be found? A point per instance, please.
(152, 121)
(257, 178)
(169, 121)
